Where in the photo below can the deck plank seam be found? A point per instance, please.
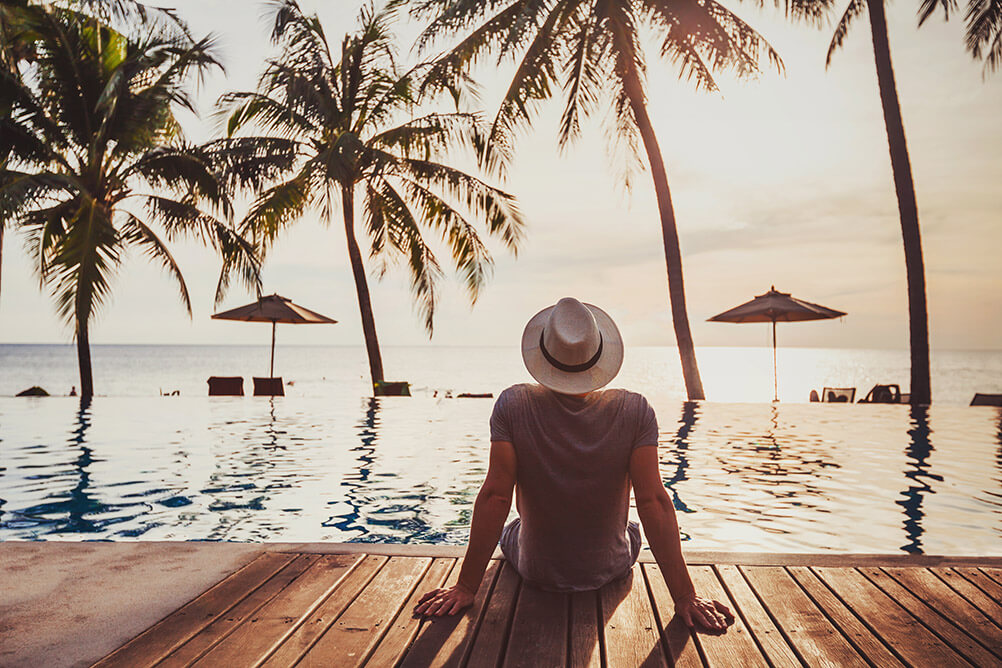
(992, 619)
(468, 650)
(831, 620)
(662, 625)
(768, 611)
(157, 626)
(327, 627)
(222, 613)
(981, 587)
(424, 620)
(996, 650)
(384, 629)
(308, 612)
(600, 620)
(509, 622)
(406, 647)
(996, 577)
(937, 634)
(876, 634)
(314, 559)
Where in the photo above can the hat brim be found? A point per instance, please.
(546, 374)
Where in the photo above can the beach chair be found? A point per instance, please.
(883, 394)
(391, 388)
(268, 387)
(981, 399)
(838, 395)
(226, 386)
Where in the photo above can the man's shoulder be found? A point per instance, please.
(519, 392)
(626, 398)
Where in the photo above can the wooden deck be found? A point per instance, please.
(285, 609)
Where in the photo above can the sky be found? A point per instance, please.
(783, 180)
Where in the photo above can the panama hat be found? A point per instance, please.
(572, 348)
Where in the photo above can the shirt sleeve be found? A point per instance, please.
(500, 421)
(647, 424)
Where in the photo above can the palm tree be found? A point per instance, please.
(340, 108)
(984, 32)
(593, 49)
(918, 321)
(98, 161)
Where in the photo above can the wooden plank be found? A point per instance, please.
(945, 599)
(538, 635)
(991, 588)
(675, 635)
(446, 641)
(403, 629)
(811, 634)
(632, 636)
(360, 627)
(492, 637)
(993, 573)
(865, 642)
(296, 644)
(585, 646)
(257, 637)
(990, 606)
(734, 647)
(171, 632)
(769, 638)
(893, 624)
(225, 624)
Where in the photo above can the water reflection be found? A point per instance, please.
(690, 414)
(918, 451)
(356, 483)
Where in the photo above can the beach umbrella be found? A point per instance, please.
(775, 306)
(275, 309)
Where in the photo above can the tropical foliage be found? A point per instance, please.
(593, 50)
(349, 112)
(96, 161)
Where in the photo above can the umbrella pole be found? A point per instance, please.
(775, 376)
(271, 368)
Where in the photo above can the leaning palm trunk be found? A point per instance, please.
(669, 232)
(361, 288)
(918, 324)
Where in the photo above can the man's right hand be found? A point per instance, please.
(439, 602)
(704, 612)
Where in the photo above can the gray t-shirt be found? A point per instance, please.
(572, 488)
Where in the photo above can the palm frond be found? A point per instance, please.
(136, 232)
(984, 32)
(852, 12)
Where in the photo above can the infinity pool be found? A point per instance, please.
(756, 477)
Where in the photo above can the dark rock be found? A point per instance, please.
(34, 391)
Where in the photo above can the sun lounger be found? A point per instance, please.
(268, 387)
(838, 395)
(981, 399)
(226, 386)
(883, 394)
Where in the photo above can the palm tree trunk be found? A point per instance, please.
(83, 360)
(361, 287)
(918, 319)
(669, 233)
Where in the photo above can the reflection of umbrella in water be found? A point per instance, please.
(775, 307)
(275, 309)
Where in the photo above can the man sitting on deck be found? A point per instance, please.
(573, 452)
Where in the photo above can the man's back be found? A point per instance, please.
(572, 489)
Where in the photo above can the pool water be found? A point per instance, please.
(755, 477)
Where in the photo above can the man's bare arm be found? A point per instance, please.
(489, 513)
(657, 514)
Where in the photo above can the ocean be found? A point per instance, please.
(730, 374)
